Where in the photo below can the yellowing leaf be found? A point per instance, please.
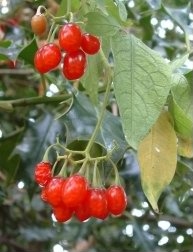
(157, 155)
(185, 147)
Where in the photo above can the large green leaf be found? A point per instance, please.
(157, 156)
(181, 107)
(37, 138)
(101, 25)
(142, 81)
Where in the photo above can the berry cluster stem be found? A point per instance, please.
(108, 76)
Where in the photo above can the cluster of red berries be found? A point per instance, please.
(75, 45)
(74, 196)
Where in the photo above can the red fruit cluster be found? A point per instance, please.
(75, 45)
(73, 196)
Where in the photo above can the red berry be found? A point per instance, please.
(47, 58)
(74, 65)
(82, 212)
(97, 203)
(70, 37)
(43, 173)
(43, 194)
(90, 44)
(38, 24)
(62, 213)
(74, 190)
(116, 199)
(53, 191)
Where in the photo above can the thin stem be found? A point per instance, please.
(43, 82)
(103, 109)
(51, 31)
(37, 100)
(117, 179)
(68, 9)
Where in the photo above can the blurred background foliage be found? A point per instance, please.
(26, 224)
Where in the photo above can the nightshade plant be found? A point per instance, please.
(114, 94)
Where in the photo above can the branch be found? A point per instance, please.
(11, 104)
(17, 71)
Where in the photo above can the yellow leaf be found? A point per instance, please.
(185, 147)
(157, 156)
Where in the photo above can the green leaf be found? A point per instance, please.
(75, 4)
(101, 25)
(178, 79)
(5, 43)
(28, 52)
(177, 63)
(114, 11)
(142, 82)
(179, 15)
(181, 108)
(12, 168)
(122, 11)
(3, 57)
(157, 155)
(185, 147)
(90, 80)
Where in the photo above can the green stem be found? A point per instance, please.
(43, 82)
(117, 178)
(68, 9)
(37, 100)
(103, 109)
(51, 31)
(95, 179)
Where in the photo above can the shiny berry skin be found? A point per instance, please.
(70, 37)
(90, 44)
(62, 213)
(47, 58)
(97, 203)
(43, 194)
(74, 65)
(53, 191)
(43, 173)
(38, 24)
(82, 212)
(74, 190)
(116, 199)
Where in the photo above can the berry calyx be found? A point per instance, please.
(62, 213)
(90, 44)
(97, 203)
(38, 24)
(116, 199)
(70, 37)
(74, 190)
(43, 173)
(74, 65)
(47, 58)
(53, 191)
